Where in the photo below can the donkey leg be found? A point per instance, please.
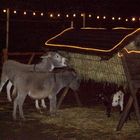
(4, 79)
(21, 99)
(8, 88)
(37, 105)
(2, 84)
(15, 108)
(52, 104)
(43, 103)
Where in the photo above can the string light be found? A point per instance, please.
(82, 14)
(51, 15)
(89, 15)
(98, 17)
(113, 18)
(15, 12)
(126, 19)
(24, 13)
(133, 19)
(119, 18)
(74, 15)
(4, 11)
(41, 14)
(34, 13)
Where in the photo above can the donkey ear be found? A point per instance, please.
(46, 55)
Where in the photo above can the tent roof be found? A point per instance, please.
(98, 41)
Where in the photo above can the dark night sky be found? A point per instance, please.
(117, 7)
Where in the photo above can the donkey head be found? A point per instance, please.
(54, 60)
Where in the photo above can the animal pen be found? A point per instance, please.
(99, 54)
(112, 59)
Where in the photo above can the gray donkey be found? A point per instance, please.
(39, 85)
(11, 68)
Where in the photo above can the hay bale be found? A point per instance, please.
(90, 67)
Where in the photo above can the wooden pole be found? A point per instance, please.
(84, 20)
(5, 50)
(62, 97)
(125, 114)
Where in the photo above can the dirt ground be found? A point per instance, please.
(70, 123)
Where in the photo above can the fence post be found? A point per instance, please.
(5, 50)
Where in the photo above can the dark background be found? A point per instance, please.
(29, 33)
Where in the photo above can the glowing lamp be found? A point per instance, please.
(58, 15)
(15, 12)
(104, 17)
(89, 15)
(126, 19)
(51, 15)
(82, 15)
(34, 13)
(41, 14)
(119, 18)
(133, 19)
(67, 15)
(98, 17)
(74, 15)
(4, 11)
(24, 13)
(113, 18)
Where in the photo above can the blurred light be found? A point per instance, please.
(58, 15)
(34, 13)
(133, 19)
(89, 15)
(82, 14)
(126, 19)
(4, 11)
(24, 13)
(74, 15)
(15, 12)
(42, 14)
(51, 15)
(113, 18)
(98, 17)
(104, 17)
(119, 18)
(67, 15)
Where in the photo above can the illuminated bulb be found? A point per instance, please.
(133, 19)
(74, 15)
(4, 11)
(24, 13)
(126, 19)
(104, 17)
(34, 13)
(119, 18)
(15, 12)
(41, 14)
(67, 15)
(82, 15)
(51, 15)
(113, 18)
(98, 17)
(58, 15)
(89, 16)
